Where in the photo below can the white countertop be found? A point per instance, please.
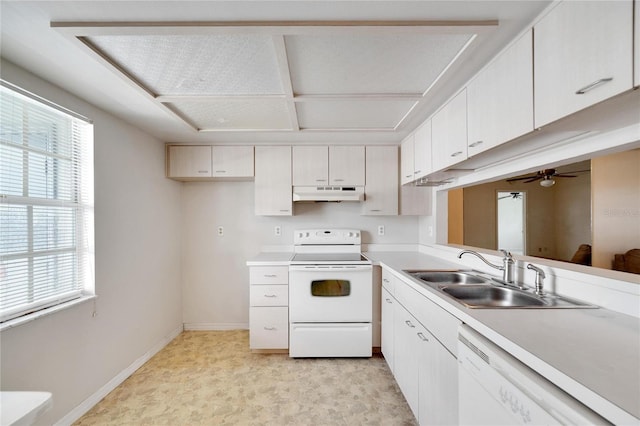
(22, 408)
(593, 354)
(271, 259)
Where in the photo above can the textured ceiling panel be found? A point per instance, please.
(256, 114)
(373, 63)
(196, 64)
(352, 114)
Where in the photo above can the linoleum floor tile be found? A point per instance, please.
(212, 378)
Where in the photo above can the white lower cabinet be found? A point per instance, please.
(386, 339)
(416, 351)
(269, 307)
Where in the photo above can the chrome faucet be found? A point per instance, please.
(539, 279)
(506, 267)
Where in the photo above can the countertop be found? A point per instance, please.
(23, 408)
(593, 354)
(271, 259)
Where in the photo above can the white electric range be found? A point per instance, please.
(330, 295)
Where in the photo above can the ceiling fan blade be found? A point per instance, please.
(533, 179)
(522, 178)
(563, 175)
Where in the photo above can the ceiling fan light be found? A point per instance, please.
(547, 183)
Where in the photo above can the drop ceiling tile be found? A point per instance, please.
(256, 114)
(372, 63)
(352, 114)
(196, 64)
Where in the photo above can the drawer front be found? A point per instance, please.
(269, 275)
(269, 295)
(439, 322)
(388, 281)
(268, 328)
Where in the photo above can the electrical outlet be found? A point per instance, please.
(277, 230)
(220, 231)
(430, 231)
(380, 229)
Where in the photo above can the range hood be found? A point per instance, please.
(328, 193)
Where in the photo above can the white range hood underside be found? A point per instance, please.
(328, 193)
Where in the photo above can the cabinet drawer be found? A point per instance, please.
(269, 295)
(439, 322)
(269, 275)
(269, 328)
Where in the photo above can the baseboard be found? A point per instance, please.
(88, 403)
(199, 326)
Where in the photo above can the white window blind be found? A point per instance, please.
(46, 204)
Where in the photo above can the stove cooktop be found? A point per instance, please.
(329, 258)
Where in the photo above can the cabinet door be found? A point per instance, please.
(189, 161)
(406, 159)
(422, 151)
(272, 189)
(232, 161)
(310, 165)
(500, 98)
(406, 356)
(636, 45)
(438, 388)
(346, 165)
(387, 340)
(449, 133)
(583, 55)
(381, 190)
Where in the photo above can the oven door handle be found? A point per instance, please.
(330, 268)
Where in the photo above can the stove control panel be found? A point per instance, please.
(326, 236)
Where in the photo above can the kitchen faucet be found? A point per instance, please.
(506, 267)
(539, 278)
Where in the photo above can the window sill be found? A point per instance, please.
(44, 312)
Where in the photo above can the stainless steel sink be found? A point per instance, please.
(487, 295)
(454, 277)
(477, 290)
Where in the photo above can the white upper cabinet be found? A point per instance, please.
(273, 181)
(449, 133)
(347, 165)
(324, 165)
(188, 161)
(310, 165)
(582, 55)
(636, 44)
(406, 159)
(381, 190)
(232, 161)
(422, 151)
(500, 98)
(415, 154)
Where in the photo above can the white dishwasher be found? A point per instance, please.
(497, 389)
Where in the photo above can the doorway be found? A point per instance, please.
(511, 221)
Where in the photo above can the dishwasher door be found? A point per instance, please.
(497, 389)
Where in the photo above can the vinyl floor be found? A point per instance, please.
(212, 378)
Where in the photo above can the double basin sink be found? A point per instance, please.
(475, 290)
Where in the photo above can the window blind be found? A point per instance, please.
(46, 204)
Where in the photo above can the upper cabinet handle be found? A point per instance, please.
(455, 154)
(339, 180)
(588, 87)
(475, 144)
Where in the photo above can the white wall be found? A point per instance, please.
(137, 232)
(215, 277)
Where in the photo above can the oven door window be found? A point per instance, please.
(330, 288)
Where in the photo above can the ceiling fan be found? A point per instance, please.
(512, 195)
(545, 177)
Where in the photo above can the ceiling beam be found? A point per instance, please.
(285, 77)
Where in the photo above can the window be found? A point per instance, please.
(46, 204)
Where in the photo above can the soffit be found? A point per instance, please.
(284, 76)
